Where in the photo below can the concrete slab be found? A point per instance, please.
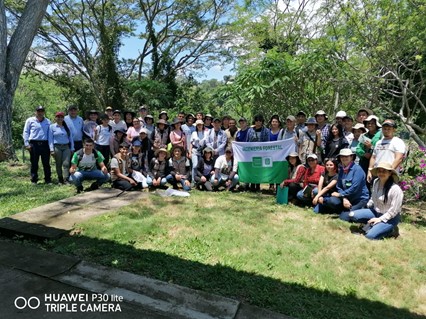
(17, 285)
(33, 260)
(246, 311)
(57, 219)
(150, 293)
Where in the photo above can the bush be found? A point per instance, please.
(413, 181)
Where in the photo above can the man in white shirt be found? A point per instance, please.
(389, 149)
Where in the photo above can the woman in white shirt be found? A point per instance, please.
(383, 211)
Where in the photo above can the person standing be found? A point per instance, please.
(216, 139)
(75, 124)
(61, 144)
(36, 135)
(389, 149)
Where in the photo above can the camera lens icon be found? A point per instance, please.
(22, 302)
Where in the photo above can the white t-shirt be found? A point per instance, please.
(385, 149)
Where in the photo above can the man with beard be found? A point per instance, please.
(231, 132)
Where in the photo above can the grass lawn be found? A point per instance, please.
(247, 247)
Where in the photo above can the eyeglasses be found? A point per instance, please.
(311, 159)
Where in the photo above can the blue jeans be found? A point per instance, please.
(172, 180)
(222, 180)
(78, 177)
(306, 200)
(377, 231)
(334, 205)
(149, 181)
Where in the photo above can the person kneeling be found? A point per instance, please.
(205, 170)
(120, 174)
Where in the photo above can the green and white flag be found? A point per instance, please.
(262, 162)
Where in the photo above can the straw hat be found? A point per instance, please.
(387, 166)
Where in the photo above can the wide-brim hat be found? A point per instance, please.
(208, 116)
(346, 152)
(370, 118)
(365, 109)
(162, 121)
(122, 130)
(161, 150)
(301, 113)
(208, 150)
(129, 112)
(359, 126)
(199, 122)
(387, 166)
(93, 112)
(340, 114)
(321, 112)
(149, 116)
(188, 115)
(176, 121)
(292, 154)
(311, 120)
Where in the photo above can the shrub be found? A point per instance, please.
(413, 181)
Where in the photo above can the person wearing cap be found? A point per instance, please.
(103, 135)
(197, 144)
(157, 170)
(178, 136)
(296, 172)
(241, 135)
(326, 186)
(36, 136)
(75, 124)
(362, 114)
(290, 131)
(390, 148)
(357, 130)
(146, 144)
(120, 170)
(310, 180)
(347, 123)
(312, 140)
(91, 116)
(338, 119)
(324, 127)
(179, 168)
(367, 141)
(143, 112)
(188, 128)
(383, 212)
(231, 132)
(204, 170)
(149, 124)
(225, 171)
(161, 135)
(208, 121)
(352, 192)
(300, 121)
(335, 141)
(108, 112)
(119, 137)
(88, 164)
(134, 130)
(128, 118)
(216, 139)
(61, 144)
(117, 123)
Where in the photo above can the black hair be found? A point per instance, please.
(88, 140)
(330, 134)
(387, 187)
(259, 117)
(67, 129)
(334, 161)
(298, 161)
(275, 117)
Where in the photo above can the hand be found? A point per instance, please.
(367, 144)
(374, 221)
(346, 203)
(52, 154)
(321, 200)
(178, 177)
(228, 183)
(72, 170)
(104, 170)
(203, 179)
(315, 200)
(156, 182)
(318, 132)
(132, 182)
(369, 176)
(187, 183)
(282, 184)
(335, 194)
(28, 147)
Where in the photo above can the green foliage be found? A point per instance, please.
(154, 93)
(34, 90)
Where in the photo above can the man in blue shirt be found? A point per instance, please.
(75, 123)
(36, 135)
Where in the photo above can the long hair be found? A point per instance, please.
(330, 134)
(387, 187)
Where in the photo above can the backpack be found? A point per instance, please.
(80, 154)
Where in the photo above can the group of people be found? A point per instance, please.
(339, 167)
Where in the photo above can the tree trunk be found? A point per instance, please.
(12, 58)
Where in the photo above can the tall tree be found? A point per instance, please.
(12, 59)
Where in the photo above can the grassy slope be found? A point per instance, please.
(245, 246)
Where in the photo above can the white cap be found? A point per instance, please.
(341, 114)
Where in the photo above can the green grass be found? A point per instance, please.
(245, 246)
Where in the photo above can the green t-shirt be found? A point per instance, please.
(87, 162)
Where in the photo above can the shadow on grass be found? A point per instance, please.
(290, 299)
